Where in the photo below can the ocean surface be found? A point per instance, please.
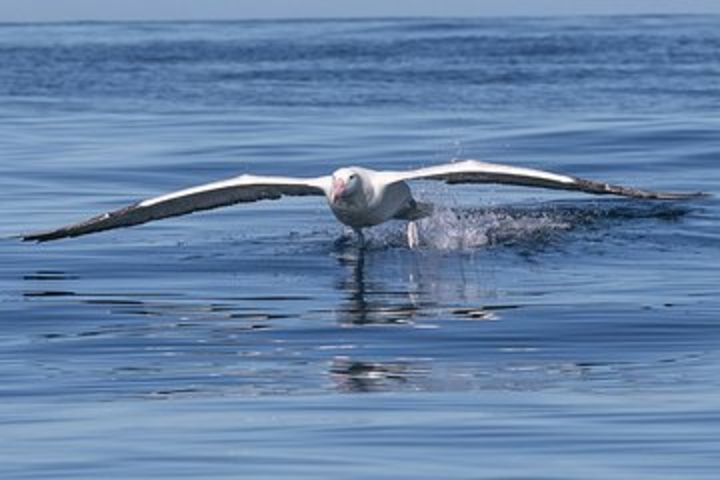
(535, 335)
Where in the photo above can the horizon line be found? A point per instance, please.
(358, 18)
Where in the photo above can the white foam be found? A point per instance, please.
(463, 229)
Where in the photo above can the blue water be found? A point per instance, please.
(537, 335)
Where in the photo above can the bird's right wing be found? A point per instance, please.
(242, 189)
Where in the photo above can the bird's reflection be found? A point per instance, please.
(355, 376)
(396, 286)
(369, 302)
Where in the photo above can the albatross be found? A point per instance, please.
(358, 197)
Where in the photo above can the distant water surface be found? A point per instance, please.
(537, 334)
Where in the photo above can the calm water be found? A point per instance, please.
(539, 335)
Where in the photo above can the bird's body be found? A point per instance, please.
(358, 197)
(376, 204)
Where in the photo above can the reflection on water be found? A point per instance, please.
(370, 303)
(353, 376)
(428, 287)
(233, 327)
(180, 341)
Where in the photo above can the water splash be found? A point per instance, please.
(464, 229)
(459, 229)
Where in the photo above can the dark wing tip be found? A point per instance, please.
(681, 195)
(39, 237)
(98, 223)
(34, 237)
(700, 195)
(671, 195)
(600, 188)
(48, 235)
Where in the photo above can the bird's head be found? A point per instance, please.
(346, 183)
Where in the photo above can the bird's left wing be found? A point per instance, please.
(242, 189)
(474, 171)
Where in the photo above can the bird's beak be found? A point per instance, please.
(338, 188)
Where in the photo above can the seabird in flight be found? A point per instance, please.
(358, 197)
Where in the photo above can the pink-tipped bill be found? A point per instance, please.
(338, 188)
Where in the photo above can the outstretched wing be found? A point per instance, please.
(473, 171)
(242, 189)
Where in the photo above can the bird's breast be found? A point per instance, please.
(380, 207)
